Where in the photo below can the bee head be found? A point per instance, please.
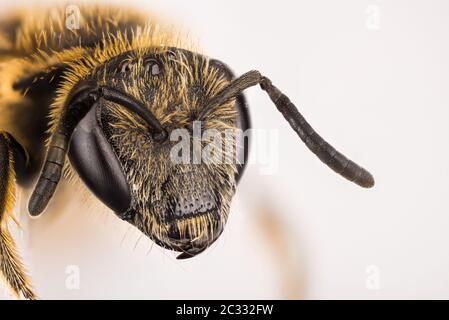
(153, 136)
(170, 170)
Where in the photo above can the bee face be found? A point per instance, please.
(181, 206)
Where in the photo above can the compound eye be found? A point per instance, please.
(153, 67)
(125, 66)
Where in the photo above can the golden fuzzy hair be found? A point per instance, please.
(11, 268)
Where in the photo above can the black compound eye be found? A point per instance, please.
(153, 67)
(125, 66)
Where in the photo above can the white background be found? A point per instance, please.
(373, 78)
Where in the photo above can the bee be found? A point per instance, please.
(108, 96)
